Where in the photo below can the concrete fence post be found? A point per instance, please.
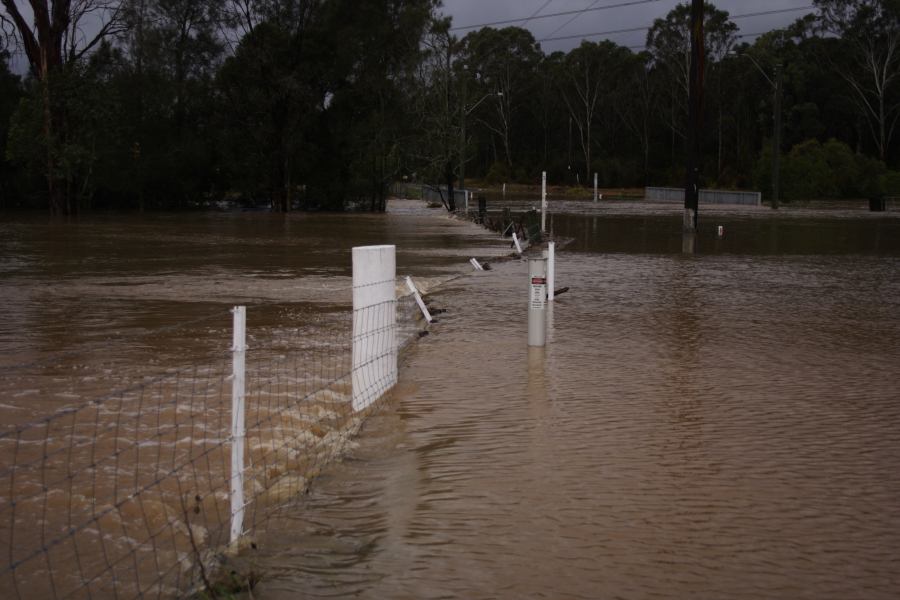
(238, 410)
(374, 369)
(596, 190)
(537, 301)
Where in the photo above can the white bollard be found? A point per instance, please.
(721, 231)
(595, 187)
(238, 362)
(504, 191)
(466, 194)
(537, 301)
(476, 264)
(544, 201)
(516, 242)
(415, 292)
(374, 323)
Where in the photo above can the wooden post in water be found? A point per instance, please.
(695, 119)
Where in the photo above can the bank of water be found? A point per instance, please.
(724, 424)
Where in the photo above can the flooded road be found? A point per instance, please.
(725, 424)
(719, 425)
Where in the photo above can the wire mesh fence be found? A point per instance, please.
(133, 493)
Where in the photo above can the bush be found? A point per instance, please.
(890, 183)
(812, 170)
(498, 173)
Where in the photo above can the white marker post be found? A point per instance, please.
(476, 264)
(544, 201)
(516, 242)
(595, 188)
(550, 255)
(537, 301)
(374, 369)
(415, 292)
(238, 432)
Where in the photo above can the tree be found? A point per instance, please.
(10, 91)
(56, 40)
(504, 61)
(593, 74)
(869, 30)
(669, 45)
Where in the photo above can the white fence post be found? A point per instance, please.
(415, 292)
(543, 201)
(550, 255)
(374, 323)
(238, 349)
(537, 301)
(516, 242)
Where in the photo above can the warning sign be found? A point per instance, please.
(538, 300)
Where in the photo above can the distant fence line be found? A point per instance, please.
(144, 491)
(667, 194)
(432, 193)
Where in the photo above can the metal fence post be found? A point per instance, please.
(238, 349)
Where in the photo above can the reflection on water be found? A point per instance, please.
(723, 424)
(718, 425)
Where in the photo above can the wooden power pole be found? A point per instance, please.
(695, 119)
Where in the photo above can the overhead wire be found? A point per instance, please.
(556, 14)
(566, 24)
(535, 13)
(644, 28)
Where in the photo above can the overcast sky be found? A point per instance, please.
(622, 14)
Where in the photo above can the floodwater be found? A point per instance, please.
(722, 424)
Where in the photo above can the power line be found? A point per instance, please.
(636, 29)
(558, 14)
(534, 14)
(566, 24)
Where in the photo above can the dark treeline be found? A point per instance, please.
(321, 104)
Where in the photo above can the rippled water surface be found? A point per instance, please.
(722, 425)
(717, 425)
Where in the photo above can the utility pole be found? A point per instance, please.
(695, 119)
(776, 147)
(462, 135)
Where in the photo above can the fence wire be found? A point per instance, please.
(127, 495)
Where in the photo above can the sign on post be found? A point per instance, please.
(537, 301)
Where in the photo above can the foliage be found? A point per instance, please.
(321, 104)
(815, 170)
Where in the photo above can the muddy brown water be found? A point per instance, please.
(724, 424)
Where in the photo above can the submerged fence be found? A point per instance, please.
(434, 193)
(661, 194)
(146, 490)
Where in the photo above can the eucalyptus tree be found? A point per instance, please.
(636, 108)
(593, 75)
(61, 34)
(10, 91)
(869, 33)
(504, 62)
(669, 45)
